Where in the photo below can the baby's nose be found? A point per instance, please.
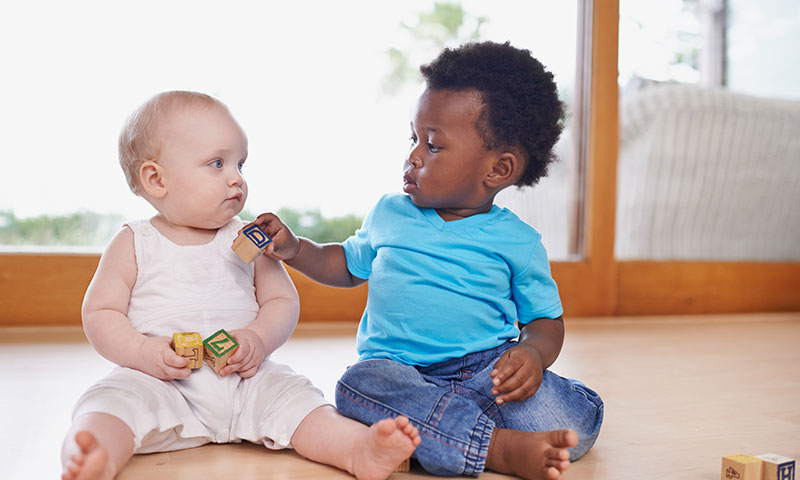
(236, 178)
(413, 160)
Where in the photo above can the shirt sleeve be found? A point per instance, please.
(534, 291)
(358, 249)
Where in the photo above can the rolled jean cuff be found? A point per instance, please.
(475, 459)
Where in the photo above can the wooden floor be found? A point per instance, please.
(679, 392)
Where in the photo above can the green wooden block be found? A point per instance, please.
(218, 349)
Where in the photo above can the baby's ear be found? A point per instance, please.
(505, 171)
(151, 178)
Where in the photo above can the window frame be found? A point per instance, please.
(47, 289)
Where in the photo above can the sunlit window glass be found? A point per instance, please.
(323, 90)
(709, 120)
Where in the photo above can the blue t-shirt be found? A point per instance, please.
(440, 290)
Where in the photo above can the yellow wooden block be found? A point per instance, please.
(742, 467)
(189, 345)
(218, 349)
(250, 243)
(777, 467)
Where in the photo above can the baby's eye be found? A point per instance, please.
(413, 139)
(241, 165)
(216, 163)
(433, 148)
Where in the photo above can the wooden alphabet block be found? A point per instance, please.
(742, 467)
(250, 243)
(218, 349)
(189, 345)
(777, 467)
(405, 466)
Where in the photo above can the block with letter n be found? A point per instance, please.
(250, 243)
(218, 349)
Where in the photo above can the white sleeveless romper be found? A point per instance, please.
(198, 288)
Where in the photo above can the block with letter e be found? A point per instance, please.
(777, 467)
(190, 346)
(250, 243)
(218, 349)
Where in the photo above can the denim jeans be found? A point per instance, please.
(452, 406)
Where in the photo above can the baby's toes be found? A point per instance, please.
(557, 454)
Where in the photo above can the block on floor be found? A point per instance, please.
(777, 467)
(404, 467)
(742, 467)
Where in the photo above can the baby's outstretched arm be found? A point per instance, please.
(285, 244)
(323, 263)
(518, 373)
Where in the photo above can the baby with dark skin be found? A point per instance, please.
(469, 141)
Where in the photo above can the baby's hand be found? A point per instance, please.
(517, 374)
(157, 358)
(285, 244)
(248, 356)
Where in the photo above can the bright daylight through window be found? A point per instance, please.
(323, 90)
(708, 121)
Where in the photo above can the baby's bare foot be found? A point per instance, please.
(90, 463)
(533, 456)
(383, 447)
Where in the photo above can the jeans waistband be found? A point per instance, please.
(472, 361)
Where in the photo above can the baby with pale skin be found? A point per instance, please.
(190, 169)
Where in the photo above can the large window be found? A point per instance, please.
(709, 121)
(47, 289)
(323, 90)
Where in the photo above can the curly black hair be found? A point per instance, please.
(521, 106)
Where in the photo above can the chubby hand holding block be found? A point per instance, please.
(190, 346)
(218, 349)
(250, 243)
(777, 467)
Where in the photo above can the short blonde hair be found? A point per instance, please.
(140, 141)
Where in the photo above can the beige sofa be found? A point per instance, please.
(707, 174)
